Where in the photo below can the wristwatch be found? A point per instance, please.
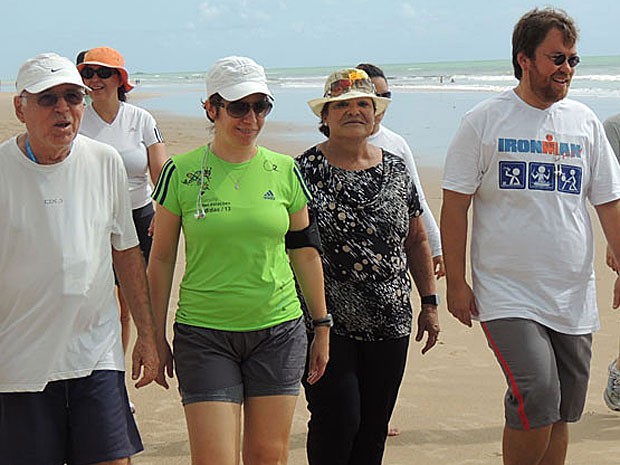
(432, 299)
(327, 321)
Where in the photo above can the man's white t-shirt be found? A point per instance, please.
(58, 313)
(530, 172)
(396, 144)
(131, 133)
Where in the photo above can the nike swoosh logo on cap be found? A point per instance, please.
(55, 70)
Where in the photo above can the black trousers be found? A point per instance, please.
(351, 405)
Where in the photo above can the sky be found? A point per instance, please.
(189, 35)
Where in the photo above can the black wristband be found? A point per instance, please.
(327, 321)
(432, 299)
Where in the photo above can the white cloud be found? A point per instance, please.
(408, 10)
(298, 27)
(240, 12)
(209, 11)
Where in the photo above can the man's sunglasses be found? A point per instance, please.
(241, 108)
(50, 99)
(387, 94)
(560, 58)
(102, 73)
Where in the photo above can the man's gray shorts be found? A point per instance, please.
(547, 372)
(227, 366)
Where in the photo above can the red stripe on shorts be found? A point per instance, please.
(513, 384)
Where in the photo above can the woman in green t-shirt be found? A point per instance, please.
(239, 338)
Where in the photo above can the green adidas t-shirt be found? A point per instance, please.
(237, 275)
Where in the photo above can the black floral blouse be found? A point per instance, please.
(363, 218)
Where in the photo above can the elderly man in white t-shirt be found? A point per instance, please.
(65, 220)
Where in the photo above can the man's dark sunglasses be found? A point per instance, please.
(560, 58)
(241, 108)
(387, 94)
(50, 99)
(102, 73)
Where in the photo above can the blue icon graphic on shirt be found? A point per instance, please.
(541, 177)
(569, 179)
(538, 176)
(512, 174)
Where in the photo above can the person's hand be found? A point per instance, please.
(145, 361)
(428, 322)
(611, 260)
(616, 302)
(151, 229)
(462, 303)
(319, 354)
(439, 268)
(166, 363)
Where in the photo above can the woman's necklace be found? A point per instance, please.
(235, 181)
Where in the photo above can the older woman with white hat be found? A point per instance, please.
(130, 130)
(368, 214)
(239, 337)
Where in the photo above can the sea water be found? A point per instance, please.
(429, 99)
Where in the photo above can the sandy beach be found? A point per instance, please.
(450, 405)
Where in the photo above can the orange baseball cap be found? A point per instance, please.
(110, 58)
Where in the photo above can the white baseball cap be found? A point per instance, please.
(45, 71)
(236, 77)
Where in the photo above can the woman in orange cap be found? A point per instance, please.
(130, 130)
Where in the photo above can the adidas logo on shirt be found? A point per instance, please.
(269, 195)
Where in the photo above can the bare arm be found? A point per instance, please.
(432, 230)
(157, 157)
(609, 216)
(130, 269)
(306, 263)
(421, 268)
(611, 260)
(612, 131)
(161, 271)
(156, 154)
(461, 302)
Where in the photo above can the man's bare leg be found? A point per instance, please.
(540, 446)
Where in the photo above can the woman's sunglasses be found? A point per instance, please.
(50, 99)
(240, 108)
(102, 73)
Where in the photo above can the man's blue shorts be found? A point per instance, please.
(75, 421)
